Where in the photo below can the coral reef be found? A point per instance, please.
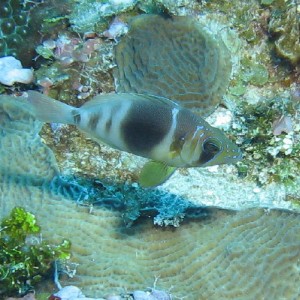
(29, 296)
(254, 238)
(20, 134)
(14, 26)
(271, 153)
(68, 293)
(76, 67)
(284, 26)
(90, 15)
(214, 254)
(23, 23)
(256, 81)
(11, 71)
(29, 168)
(74, 293)
(27, 165)
(175, 58)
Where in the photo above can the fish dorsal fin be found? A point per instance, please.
(100, 99)
(104, 98)
(160, 99)
(155, 173)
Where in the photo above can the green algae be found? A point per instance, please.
(266, 159)
(238, 89)
(24, 257)
(44, 52)
(254, 73)
(266, 2)
(295, 199)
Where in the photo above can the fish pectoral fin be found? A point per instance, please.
(155, 173)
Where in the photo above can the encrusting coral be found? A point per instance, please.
(284, 26)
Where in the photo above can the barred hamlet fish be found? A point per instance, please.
(149, 126)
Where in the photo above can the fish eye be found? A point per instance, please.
(210, 148)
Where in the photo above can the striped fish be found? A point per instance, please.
(149, 126)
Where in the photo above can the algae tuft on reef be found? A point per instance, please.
(25, 259)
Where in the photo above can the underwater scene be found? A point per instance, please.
(149, 150)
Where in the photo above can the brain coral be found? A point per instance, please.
(24, 158)
(28, 169)
(173, 57)
(251, 254)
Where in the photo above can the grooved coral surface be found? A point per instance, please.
(248, 255)
(173, 57)
(19, 135)
(27, 165)
(251, 254)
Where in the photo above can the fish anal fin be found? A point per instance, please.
(155, 173)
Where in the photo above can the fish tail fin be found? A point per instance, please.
(47, 109)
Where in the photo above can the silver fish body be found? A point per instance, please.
(148, 126)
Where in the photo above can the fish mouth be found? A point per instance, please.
(234, 157)
(231, 156)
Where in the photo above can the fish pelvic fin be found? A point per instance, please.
(49, 110)
(155, 173)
